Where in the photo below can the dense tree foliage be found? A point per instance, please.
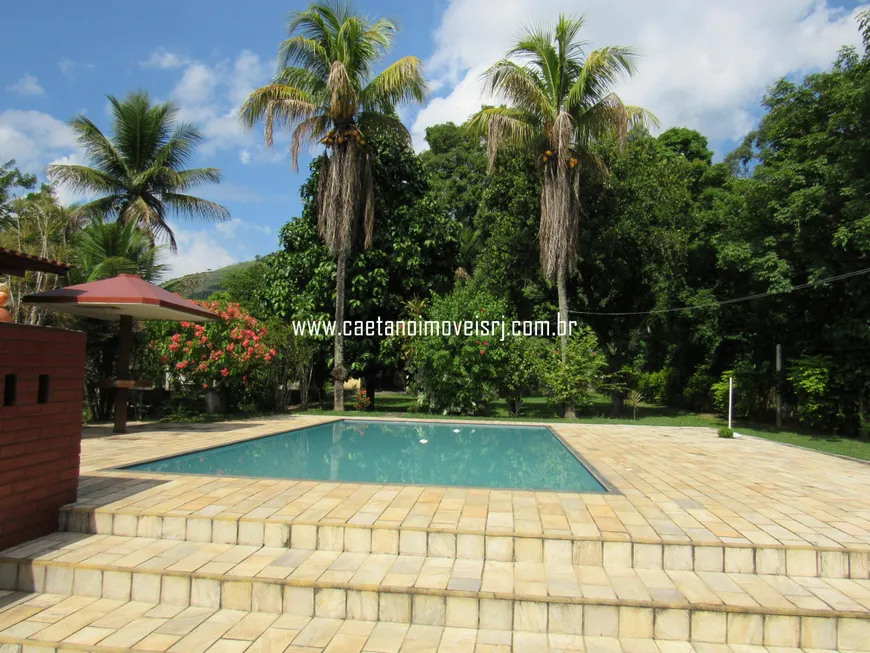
(413, 253)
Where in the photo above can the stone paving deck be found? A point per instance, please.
(50, 622)
(675, 485)
(100, 565)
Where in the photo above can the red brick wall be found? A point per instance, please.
(39, 443)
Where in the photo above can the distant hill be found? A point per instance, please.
(203, 284)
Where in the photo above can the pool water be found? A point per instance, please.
(419, 453)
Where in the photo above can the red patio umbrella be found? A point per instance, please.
(124, 298)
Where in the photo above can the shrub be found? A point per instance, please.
(752, 387)
(725, 432)
(219, 355)
(583, 370)
(521, 374)
(459, 374)
(362, 400)
(817, 383)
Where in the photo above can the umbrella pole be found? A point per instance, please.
(125, 346)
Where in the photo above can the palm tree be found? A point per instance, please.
(560, 104)
(139, 172)
(325, 92)
(107, 249)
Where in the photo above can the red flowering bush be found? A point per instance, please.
(219, 354)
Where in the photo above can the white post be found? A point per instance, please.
(730, 398)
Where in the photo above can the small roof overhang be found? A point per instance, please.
(19, 263)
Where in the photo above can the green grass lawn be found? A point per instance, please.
(538, 409)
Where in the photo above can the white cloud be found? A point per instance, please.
(27, 85)
(245, 156)
(198, 251)
(163, 59)
(231, 228)
(34, 138)
(69, 67)
(196, 86)
(209, 96)
(705, 64)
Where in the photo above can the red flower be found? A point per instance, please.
(225, 372)
(176, 337)
(482, 352)
(181, 365)
(173, 347)
(204, 387)
(231, 346)
(186, 325)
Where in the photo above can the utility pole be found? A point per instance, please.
(779, 386)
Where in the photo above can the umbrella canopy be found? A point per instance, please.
(126, 294)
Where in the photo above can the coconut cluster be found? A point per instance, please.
(341, 135)
(548, 154)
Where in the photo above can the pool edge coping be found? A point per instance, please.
(610, 488)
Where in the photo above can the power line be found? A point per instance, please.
(725, 302)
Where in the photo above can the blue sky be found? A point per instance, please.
(704, 66)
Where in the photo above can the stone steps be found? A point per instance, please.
(59, 623)
(502, 546)
(556, 597)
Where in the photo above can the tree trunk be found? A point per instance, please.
(339, 373)
(617, 401)
(371, 385)
(561, 284)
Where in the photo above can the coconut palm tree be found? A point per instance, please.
(325, 92)
(107, 249)
(559, 105)
(138, 173)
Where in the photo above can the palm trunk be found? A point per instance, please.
(339, 373)
(561, 285)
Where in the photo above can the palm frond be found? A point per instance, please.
(305, 80)
(505, 126)
(535, 48)
(308, 131)
(179, 148)
(600, 72)
(196, 207)
(521, 86)
(302, 52)
(98, 148)
(397, 84)
(194, 177)
(279, 103)
(84, 179)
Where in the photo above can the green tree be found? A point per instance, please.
(460, 374)
(325, 92)
(561, 105)
(37, 224)
(138, 173)
(10, 179)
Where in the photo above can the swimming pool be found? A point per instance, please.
(406, 453)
